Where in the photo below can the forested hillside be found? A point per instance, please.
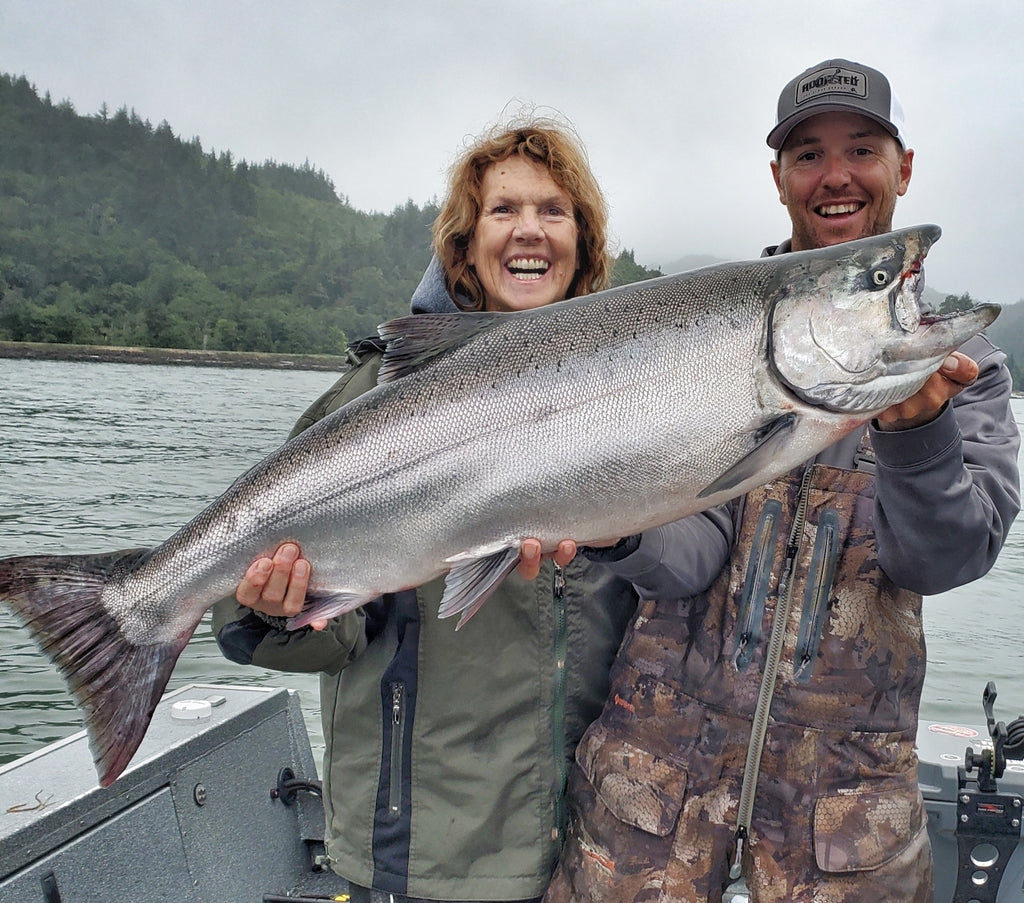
(116, 232)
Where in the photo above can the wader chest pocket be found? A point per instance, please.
(756, 584)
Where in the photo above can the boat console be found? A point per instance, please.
(220, 803)
(972, 781)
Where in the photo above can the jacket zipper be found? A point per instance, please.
(558, 707)
(762, 710)
(397, 736)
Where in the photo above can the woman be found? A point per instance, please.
(447, 753)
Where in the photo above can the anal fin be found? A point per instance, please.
(322, 606)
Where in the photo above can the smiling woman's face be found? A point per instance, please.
(524, 244)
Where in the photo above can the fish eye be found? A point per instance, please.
(879, 278)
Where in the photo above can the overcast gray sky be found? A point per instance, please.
(673, 98)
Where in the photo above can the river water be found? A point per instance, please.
(96, 457)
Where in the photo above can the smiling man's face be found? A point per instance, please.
(839, 175)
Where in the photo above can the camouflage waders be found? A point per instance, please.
(837, 814)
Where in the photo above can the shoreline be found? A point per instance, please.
(45, 351)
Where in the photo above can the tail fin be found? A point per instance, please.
(116, 682)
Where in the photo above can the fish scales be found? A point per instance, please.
(520, 460)
(588, 419)
(453, 409)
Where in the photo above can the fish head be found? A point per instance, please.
(847, 331)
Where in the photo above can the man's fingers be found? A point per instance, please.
(955, 373)
(959, 368)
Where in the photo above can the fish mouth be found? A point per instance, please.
(527, 269)
(905, 298)
(986, 311)
(916, 269)
(938, 334)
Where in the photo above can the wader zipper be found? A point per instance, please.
(755, 586)
(819, 589)
(397, 737)
(762, 710)
(558, 706)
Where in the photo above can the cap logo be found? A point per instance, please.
(832, 80)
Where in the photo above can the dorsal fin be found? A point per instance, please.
(415, 340)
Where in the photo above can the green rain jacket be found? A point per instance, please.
(447, 753)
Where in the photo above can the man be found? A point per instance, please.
(704, 779)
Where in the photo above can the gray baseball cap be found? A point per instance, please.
(838, 86)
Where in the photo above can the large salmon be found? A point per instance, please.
(595, 417)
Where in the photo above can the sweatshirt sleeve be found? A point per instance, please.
(947, 492)
(679, 559)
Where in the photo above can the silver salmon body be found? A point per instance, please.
(592, 418)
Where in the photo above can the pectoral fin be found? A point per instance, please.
(771, 440)
(471, 581)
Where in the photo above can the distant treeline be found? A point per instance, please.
(1007, 332)
(116, 232)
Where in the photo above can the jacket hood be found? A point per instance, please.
(431, 296)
